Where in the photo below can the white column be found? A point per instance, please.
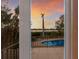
(67, 28)
(25, 32)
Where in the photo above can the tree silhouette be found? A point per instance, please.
(9, 26)
(5, 17)
(60, 24)
(17, 10)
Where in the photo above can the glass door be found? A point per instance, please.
(47, 29)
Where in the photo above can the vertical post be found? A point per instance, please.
(42, 15)
(67, 31)
(75, 30)
(24, 29)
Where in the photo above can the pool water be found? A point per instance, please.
(53, 43)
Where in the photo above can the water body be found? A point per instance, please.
(53, 43)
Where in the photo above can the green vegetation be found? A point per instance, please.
(33, 39)
(48, 34)
(37, 35)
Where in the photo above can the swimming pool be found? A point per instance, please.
(53, 43)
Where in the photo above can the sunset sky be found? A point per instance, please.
(11, 3)
(52, 9)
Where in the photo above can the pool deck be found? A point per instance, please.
(48, 53)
